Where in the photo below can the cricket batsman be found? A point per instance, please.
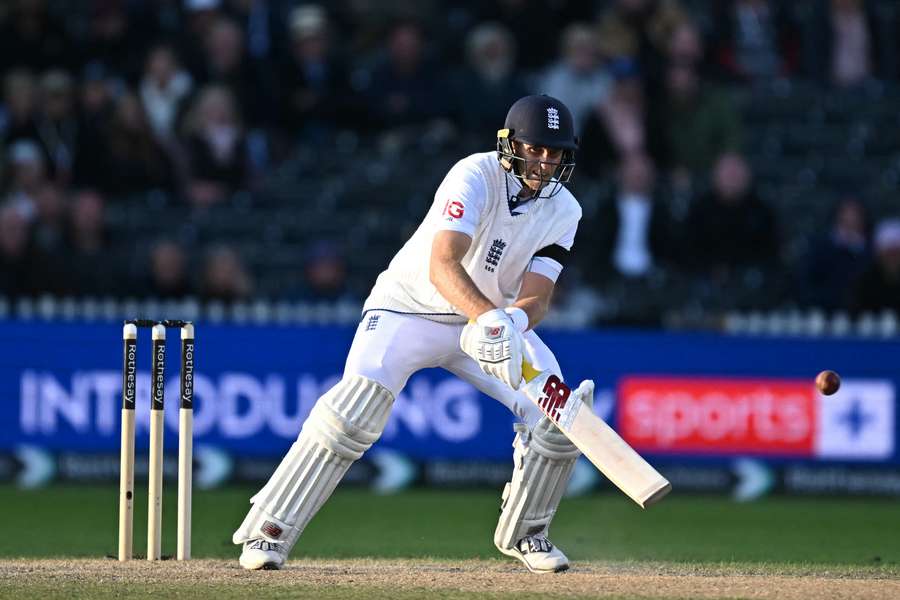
(464, 293)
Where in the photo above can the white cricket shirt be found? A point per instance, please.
(473, 199)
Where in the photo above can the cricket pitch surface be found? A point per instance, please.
(377, 578)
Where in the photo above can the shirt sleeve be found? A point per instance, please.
(567, 240)
(460, 200)
(545, 266)
(550, 260)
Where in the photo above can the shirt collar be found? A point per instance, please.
(513, 201)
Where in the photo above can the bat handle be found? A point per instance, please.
(528, 371)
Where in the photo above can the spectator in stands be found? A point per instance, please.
(168, 272)
(216, 147)
(87, 225)
(20, 106)
(754, 40)
(639, 30)
(700, 123)
(261, 21)
(843, 45)
(632, 232)
(164, 89)
(50, 220)
(31, 38)
(578, 77)
(161, 19)
(404, 88)
(730, 227)
(134, 161)
(91, 269)
(199, 18)
(838, 258)
(95, 96)
(26, 174)
(490, 75)
(325, 273)
(226, 64)
(879, 286)
(685, 46)
(621, 126)
(57, 124)
(225, 277)
(315, 95)
(96, 108)
(17, 259)
(530, 20)
(67, 67)
(114, 40)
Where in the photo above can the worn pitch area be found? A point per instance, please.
(370, 578)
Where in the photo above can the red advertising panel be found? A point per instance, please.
(718, 416)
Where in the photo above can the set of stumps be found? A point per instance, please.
(157, 424)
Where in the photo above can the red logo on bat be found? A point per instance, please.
(556, 393)
(454, 209)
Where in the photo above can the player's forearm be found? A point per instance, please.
(455, 285)
(535, 307)
(534, 297)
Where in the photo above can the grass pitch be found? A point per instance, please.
(432, 544)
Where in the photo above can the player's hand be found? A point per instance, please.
(496, 344)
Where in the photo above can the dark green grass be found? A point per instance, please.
(81, 521)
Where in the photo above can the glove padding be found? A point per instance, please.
(496, 344)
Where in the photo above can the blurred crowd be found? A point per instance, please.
(202, 100)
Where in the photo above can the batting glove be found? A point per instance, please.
(496, 344)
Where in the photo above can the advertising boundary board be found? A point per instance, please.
(60, 394)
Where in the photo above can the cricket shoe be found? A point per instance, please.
(538, 554)
(263, 554)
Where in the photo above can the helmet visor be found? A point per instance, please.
(531, 163)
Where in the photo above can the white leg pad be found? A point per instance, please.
(542, 463)
(344, 423)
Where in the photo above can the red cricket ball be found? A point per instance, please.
(828, 382)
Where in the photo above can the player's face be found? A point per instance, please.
(540, 163)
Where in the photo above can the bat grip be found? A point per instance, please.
(528, 371)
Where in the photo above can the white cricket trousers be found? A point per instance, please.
(389, 347)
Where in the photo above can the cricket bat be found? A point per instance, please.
(597, 441)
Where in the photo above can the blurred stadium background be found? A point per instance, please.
(253, 164)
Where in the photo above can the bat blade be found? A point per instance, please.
(597, 441)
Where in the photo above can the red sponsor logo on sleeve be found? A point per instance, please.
(454, 209)
(718, 416)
